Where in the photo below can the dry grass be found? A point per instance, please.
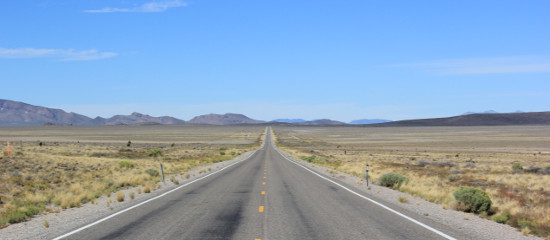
(63, 167)
(120, 196)
(437, 160)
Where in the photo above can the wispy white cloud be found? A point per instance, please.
(479, 66)
(61, 54)
(145, 8)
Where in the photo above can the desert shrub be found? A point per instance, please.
(423, 163)
(452, 178)
(152, 172)
(120, 197)
(501, 218)
(474, 199)
(445, 164)
(98, 154)
(392, 180)
(174, 180)
(129, 143)
(470, 165)
(309, 159)
(516, 167)
(532, 169)
(155, 153)
(125, 164)
(222, 153)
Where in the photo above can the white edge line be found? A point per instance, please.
(149, 200)
(366, 198)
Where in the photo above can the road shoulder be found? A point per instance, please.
(475, 226)
(52, 225)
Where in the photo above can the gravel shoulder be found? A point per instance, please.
(52, 225)
(476, 226)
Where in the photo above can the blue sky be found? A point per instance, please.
(342, 60)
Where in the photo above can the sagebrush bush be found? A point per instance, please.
(474, 199)
(125, 164)
(120, 197)
(516, 168)
(309, 159)
(152, 172)
(392, 180)
(501, 218)
(155, 153)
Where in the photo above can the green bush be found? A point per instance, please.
(501, 218)
(452, 178)
(155, 153)
(152, 172)
(474, 199)
(392, 180)
(309, 159)
(125, 164)
(516, 167)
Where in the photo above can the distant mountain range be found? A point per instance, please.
(369, 121)
(312, 122)
(22, 114)
(284, 120)
(489, 112)
(14, 113)
(484, 119)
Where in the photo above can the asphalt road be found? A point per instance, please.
(264, 197)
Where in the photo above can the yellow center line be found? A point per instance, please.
(263, 192)
(261, 209)
(263, 183)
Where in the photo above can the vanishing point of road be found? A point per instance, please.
(266, 196)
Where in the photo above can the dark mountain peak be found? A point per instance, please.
(321, 122)
(138, 118)
(225, 119)
(13, 113)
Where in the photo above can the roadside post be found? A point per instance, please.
(367, 175)
(162, 172)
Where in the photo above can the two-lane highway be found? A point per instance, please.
(264, 197)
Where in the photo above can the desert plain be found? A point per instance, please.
(510, 163)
